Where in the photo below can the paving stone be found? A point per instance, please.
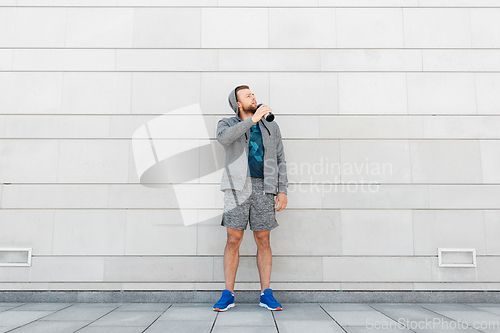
(260, 329)
(244, 318)
(363, 329)
(345, 306)
(208, 305)
(448, 330)
(489, 308)
(302, 312)
(111, 329)
(42, 306)
(18, 318)
(188, 313)
(98, 305)
(407, 313)
(301, 326)
(80, 312)
(128, 318)
(245, 315)
(144, 307)
(40, 326)
(360, 318)
(180, 326)
(4, 329)
(472, 316)
(446, 306)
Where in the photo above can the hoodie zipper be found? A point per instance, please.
(246, 137)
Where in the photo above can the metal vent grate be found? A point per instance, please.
(15, 256)
(457, 257)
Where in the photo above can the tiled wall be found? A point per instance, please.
(413, 84)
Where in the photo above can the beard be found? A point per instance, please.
(250, 108)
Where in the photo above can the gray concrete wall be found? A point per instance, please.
(410, 85)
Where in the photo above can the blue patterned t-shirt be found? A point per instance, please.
(256, 152)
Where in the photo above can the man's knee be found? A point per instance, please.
(262, 238)
(234, 237)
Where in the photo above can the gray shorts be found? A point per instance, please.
(249, 204)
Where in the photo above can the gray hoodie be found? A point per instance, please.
(234, 134)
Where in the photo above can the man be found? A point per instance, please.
(255, 183)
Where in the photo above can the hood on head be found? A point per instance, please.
(232, 101)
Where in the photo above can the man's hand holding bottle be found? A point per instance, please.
(260, 113)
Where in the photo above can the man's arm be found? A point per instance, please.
(282, 176)
(227, 134)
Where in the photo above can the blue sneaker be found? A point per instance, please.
(267, 300)
(226, 301)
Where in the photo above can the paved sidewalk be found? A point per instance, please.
(245, 318)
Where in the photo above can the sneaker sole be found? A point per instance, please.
(267, 307)
(225, 309)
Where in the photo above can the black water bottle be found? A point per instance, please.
(268, 116)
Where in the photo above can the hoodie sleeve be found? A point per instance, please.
(282, 174)
(227, 134)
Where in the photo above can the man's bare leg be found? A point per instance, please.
(232, 256)
(264, 257)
